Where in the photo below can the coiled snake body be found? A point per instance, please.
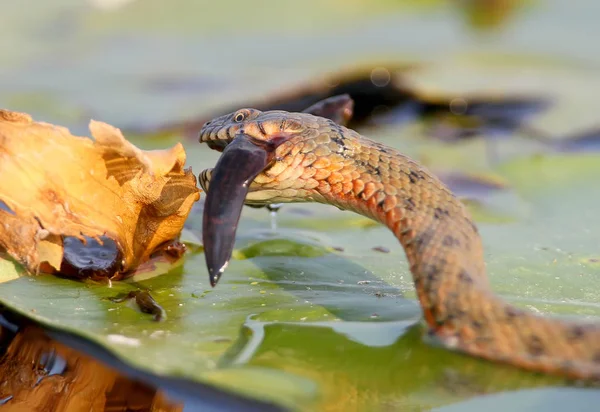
(313, 159)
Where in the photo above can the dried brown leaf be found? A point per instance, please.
(55, 184)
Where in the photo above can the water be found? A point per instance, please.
(318, 333)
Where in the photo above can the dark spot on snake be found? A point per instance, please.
(467, 246)
(422, 239)
(370, 168)
(575, 333)
(511, 312)
(452, 303)
(414, 175)
(464, 276)
(439, 212)
(338, 137)
(596, 358)
(535, 346)
(338, 140)
(431, 272)
(441, 321)
(476, 324)
(337, 127)
(450, 241)
(450, 317)
(410, 204)
(473, 226)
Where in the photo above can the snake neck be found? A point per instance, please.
(445, 254)
(435, 229)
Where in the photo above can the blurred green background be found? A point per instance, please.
(145, 62)
(295, 320)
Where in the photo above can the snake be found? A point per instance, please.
(283, 157)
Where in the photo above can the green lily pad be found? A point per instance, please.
(311, 316)
(9, 269)
(280, 247)
(299, 323)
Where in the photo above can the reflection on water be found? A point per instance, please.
(39, 373)
(160, 62)
(387, 366)
(359, 365)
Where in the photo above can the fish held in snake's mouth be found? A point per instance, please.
(242, 160)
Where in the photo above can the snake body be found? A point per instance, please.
(317, 160)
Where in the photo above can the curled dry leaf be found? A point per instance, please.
(55, 185)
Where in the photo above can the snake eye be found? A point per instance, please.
(239, 117)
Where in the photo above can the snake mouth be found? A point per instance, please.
(218, 145)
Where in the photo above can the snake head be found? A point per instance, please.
(259, 165)
(269, 131)
(219, 132)
(249, 140)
